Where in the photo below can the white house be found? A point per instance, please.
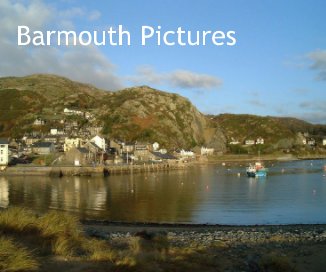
(260, 140)
(67, 111)
(184, 153)
(39, 122)
(71, 142)
(156, 146)
(324, 141)
(55, 131)
(206, 151)
(249, 142)
(99, 141)
(4, 152)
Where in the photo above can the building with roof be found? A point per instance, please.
(77, 156)
(4, 152)
(43, 148)
(159, 157)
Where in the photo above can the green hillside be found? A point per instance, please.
(139, 113)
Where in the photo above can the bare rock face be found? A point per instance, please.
(149, 114)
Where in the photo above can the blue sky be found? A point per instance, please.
(277, 67)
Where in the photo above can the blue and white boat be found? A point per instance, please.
(256, 170)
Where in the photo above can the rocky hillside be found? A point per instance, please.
(139, 113)
(278, 132)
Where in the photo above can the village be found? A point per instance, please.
(63, 141)
(74, 139)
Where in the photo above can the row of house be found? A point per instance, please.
(75, 138)
(305, 141)
(258, 141)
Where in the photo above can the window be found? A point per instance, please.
(2, 146)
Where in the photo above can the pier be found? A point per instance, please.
(59, 171)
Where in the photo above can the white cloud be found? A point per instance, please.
(85, 64)
(318, 59)
(178, 78)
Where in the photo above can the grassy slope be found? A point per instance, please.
(56, 242)
(272, 129)
(139, 113)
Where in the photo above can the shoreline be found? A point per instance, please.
(60, 171)
(296, 247)
(102, 226)
(190, 225)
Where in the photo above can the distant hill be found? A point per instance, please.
(275, 130)
(138, 113)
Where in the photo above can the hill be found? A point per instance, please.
(139, 113)
(278, 132)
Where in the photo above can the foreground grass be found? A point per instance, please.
(55, 241)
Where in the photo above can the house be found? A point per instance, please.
(115, 147)
(324, 141)
(89, 116)
(311, 142)
(67, 111)
(39, 122)
(234, 142)
(55, 131)
(71, 142)
(206, 151)
(77, 156)
(141, 151)
(187, 154)
(99, 141)
(95, 152)
(260, 140)
(51, 139)
(304, 141)
(4, 152)
(159, 157)
(29, 140)
(43, 148)
(128, 147)
(249, 142)
(156, 146)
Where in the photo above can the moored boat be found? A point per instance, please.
(256, 170)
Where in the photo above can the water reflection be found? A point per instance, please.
(4, 193)
(202, 194)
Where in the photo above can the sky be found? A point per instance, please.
(277, 66)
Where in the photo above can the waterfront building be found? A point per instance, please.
(4, 152)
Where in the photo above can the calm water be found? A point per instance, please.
(294, 192)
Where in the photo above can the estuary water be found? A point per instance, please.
(292, 193)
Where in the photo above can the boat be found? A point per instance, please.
(256, 170)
